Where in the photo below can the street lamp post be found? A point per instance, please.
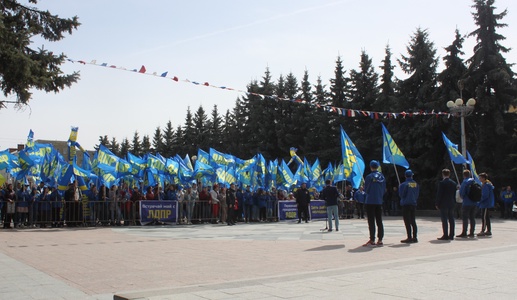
(462, 110)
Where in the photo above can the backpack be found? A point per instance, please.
(474, 192)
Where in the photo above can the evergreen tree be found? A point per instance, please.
(124, 148)
(200, 131)
(229, 136)
(185, 137)
(320, 95)
(146, 145)
(417, 90)
(23, 68)
(103, 140)
(454, 71)
(179, 141)
(386, 100)
(157, 141)
(136, 146)
(491, 82)
(339, 85)
(363, 94)
(214, 138)
(306, 93)
(114, 146)
(167, 147)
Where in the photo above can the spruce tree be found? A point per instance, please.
(167, 146)
(146, 145)
(200, 137)
(339, 85)
(23, 68)
(136, 146)
(214, 137)
(186, 136)
(386, 100)
(157, 141)
(490, 80)
(363, 94)
(114, 146)
(103, 140)
(124, 148)
(420, 64)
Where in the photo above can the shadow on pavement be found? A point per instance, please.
(327, 247)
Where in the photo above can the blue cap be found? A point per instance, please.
(374, 164)
(409, 173)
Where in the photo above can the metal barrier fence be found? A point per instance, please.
(85, 213)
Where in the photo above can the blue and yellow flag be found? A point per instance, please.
(294, 156)
(454, 154)
(221, 159)
(353, 163)
(473, 168)
(8, 160)
(203, 156)
(391, 153)
(30, 139)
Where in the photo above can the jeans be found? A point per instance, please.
(469, 214)
(333, 210)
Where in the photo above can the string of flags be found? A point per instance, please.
(352, 113)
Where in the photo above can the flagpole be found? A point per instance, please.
(396, 172)
(455, 173)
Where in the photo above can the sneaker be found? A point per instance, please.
(407, 241)
(488, 233)
(380, 244)
(330, 230)
(463, 235)
(369, 243)
(471, 235)
(337, 229)
(481, 234)
(414, 240)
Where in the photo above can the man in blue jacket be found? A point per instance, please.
(487, 201)
(375, 186)
(408, 192)
(468, 208)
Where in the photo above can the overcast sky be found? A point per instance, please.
(225, 43)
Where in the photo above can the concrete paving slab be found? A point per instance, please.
(255, 261)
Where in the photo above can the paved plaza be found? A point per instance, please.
(282, 260)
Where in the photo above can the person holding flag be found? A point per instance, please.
(375, 185)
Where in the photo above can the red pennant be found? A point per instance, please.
(142, 70)
(175, 78)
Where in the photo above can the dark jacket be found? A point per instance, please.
(330, 194)
(302, 196)
(446, 195)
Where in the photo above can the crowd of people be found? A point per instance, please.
(43, 206)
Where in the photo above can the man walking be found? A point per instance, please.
(375, 185)
(445, 201)
(408, 192)
(330, 194)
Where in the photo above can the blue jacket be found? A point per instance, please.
(487, 195)
(248, 198)
(408, 192)
(464, 190)
(508, 196)
(360, 196)
(375, 186)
